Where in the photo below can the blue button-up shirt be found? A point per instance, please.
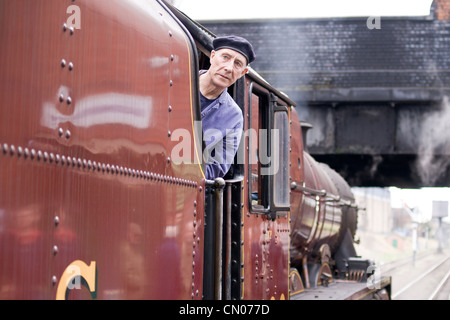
(222, 123)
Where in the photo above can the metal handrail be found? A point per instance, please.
(325, 194)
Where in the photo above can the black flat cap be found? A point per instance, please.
(235, 43)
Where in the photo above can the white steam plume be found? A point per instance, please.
(434, 145)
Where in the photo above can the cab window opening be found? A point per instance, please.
(258, 143)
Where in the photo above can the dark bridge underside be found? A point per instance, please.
(383, 143)
(385, 170)
(376, 97)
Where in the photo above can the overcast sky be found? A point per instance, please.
(250, 9)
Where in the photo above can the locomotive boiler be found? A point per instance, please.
(102, 186)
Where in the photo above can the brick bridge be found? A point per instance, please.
(375, 90)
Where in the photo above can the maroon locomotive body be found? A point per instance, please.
(102, 186)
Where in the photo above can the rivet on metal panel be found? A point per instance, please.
(170, 108)
(12, 150)
(54, 280)
(55, 250)
(19, 151)
(69, 101)
(169, 133)
(68, 134)
(63, 63)
(60, 132)
(170, 33)
(70, 66)
(5, 148)
(32, 154)
(64, 27)
(72, 30)
(171, 83)
(56, 221)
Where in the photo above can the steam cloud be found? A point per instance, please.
(434, 141)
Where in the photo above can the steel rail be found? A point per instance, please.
(434, 267)
(439, 286)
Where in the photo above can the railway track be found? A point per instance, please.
(428, 278)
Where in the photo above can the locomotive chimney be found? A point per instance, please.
(305, 128)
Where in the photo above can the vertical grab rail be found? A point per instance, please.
(219, 185)
(215, 235)
(227, 268)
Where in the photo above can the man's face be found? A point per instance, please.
(227, 66)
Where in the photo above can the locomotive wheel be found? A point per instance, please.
(320, 274)
(295, 282)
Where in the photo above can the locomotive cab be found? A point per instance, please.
(256, 186)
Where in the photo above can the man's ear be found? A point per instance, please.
(213, 53)
(244, 72)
